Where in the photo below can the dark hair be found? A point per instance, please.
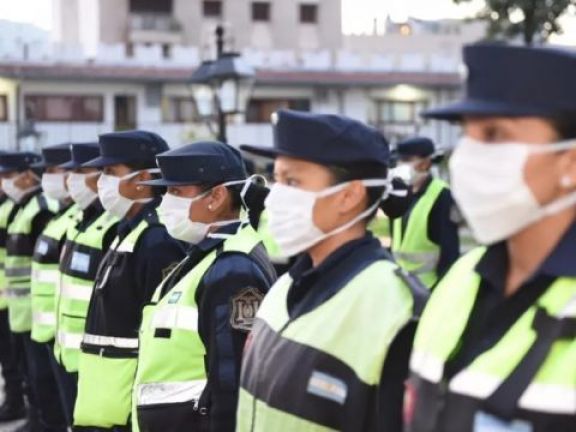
(565, 125)
(144, 165)
(254, 199)
(360, 171)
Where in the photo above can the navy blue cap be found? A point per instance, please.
(54, 155)
(325, 139)
(416, 146)
(514, 81)
(18, 161)
(82, 153)
(128, 147)
(204, 162)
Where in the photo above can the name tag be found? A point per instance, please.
(42, 247)
(80, 262)
(484, 422)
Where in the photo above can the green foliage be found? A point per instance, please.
(533, 20)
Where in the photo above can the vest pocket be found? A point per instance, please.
(172, 417)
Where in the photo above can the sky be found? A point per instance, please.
(358, 15)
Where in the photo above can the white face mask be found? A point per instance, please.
(174, 213)
(291, 215)
(109, 193)
(488, 185)
(14, 192)
(54, 186)
(407, 171)
(81, 194)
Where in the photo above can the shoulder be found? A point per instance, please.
(157, 236)
(234, 266)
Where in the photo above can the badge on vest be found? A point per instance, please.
(80, 262)
(174, 297)
(484, 422)
(244, 308)
(42, 247)
(328, 387)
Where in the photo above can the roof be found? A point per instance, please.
(99, 72)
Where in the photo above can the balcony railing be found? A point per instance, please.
(154, 22)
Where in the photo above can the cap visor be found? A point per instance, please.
(39, 165)
(4, 169)
(271, 153)
(104, 161)
(70, 165)
(477, 108)
(167, 183)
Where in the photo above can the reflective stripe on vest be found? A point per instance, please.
(169, 392)
(69, 340)
(331, 379)
(75, 291)
(176, 317)
(412, 248)
(109, 341)
(44, 318)
(551, 392)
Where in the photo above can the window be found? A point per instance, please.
(260, 110)
(308, 13)
(151, 6)
(260, 11)
(180, 110)
(399, 112)
(212, 8)
(64, 108)
(3, 108)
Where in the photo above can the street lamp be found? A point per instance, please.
(222, 87)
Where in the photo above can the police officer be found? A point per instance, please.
(13, 406)
(193, 333)
(141, 254)
(84, 245)
(496, 347)
(330, 345)
(44, 281)
(425, 239)
(21, 182)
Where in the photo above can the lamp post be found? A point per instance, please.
(222, 87)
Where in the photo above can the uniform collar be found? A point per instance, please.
(126, 225)
(493, 266)
(211, 243)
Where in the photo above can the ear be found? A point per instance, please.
(217, 198)
(566, 169)
(352, 196)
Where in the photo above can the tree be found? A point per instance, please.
(533, 20)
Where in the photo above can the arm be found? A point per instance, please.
(228, 297)
(392, 381)
(443, 230)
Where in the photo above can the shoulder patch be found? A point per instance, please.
(244, 308)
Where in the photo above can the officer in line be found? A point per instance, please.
(496, 347)
(140, 256)
(84, 246)
(13, 406)
(44, 281)
(193, 332)
(330, 344)
(425, 239)
(21, 182)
